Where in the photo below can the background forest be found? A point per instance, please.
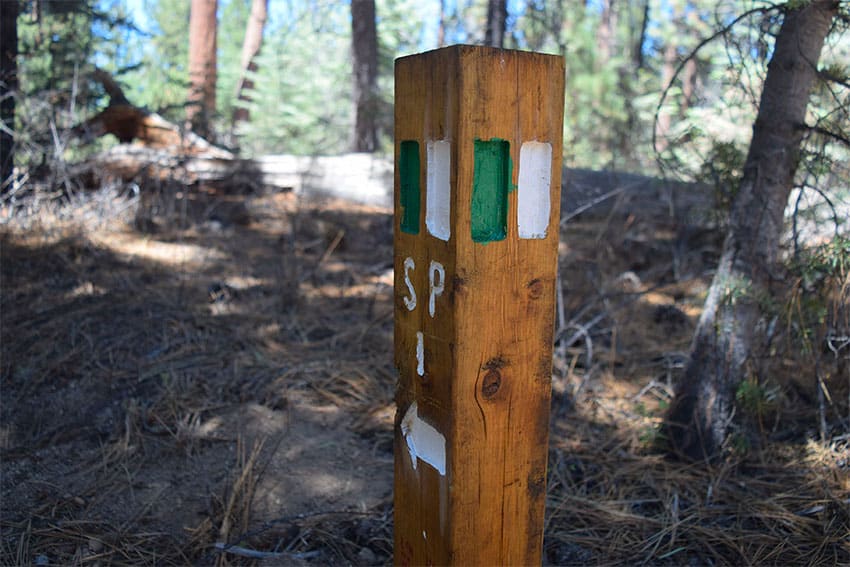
(708, 59)
(195, 352)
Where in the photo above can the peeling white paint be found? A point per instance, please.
(438, 188)
(420, 353)
(410, 300)
(423, 440)
(535, 176)
(437, 282)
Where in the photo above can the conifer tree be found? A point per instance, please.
(203, 25)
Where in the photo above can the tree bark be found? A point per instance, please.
(668, 70)
(202, 65)
(364, 48)
(605, 37)
(731, 337)
(250, 50)
(637, 55)
(9, 84)
(689, 84)
(497, 18)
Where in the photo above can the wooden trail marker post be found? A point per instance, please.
(477, 192)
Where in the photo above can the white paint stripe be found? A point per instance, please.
(535, 176)
(437, 285)
(409, 301)
(420, 353)
(438, 188)
(423, 440)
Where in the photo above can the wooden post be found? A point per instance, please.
(477, 192)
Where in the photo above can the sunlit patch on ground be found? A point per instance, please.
(181, 383)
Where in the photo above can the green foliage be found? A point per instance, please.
(757, 399)
(830, 260)
(398, 35)
(723, 169)
(231, 35)
(820, 296)
(303, 84)
(162, 79)
(60, 44)
(302, 89)
(736, 289)
(739, 444)
(651, 436)
(606, 119)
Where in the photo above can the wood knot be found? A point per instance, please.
(458, 284)
(535, 288)
(491, 383)
(493, 377)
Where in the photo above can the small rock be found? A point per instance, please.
(628, 282)
(366, 556)
(95, 545)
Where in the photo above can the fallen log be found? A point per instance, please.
(360, 178)
(162, 150)
(129, 123)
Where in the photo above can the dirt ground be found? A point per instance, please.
(191, 377)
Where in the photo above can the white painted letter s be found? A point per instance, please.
(410, 300)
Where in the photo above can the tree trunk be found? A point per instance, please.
(364, 47)
(250, 49)
(9, 84)
(731, 338)
(605, 35)
(662, 127)
(497, 18)
(637, 54)
(202, 65)
(689, 85)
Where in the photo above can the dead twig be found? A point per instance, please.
(254, 554)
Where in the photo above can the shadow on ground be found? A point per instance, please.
(195, 377)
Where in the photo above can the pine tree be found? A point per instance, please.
(364, 48)
(732, 332)
(248, 63)
(203, 23)
(8, 89)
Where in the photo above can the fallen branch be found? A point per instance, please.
(602, 198)
(254, 554)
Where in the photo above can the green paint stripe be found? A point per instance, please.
(490, 186)
(408, 165)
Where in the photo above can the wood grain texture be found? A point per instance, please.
(488, 347)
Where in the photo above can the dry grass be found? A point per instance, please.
(191, 377)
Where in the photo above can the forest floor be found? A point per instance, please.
(190, 377)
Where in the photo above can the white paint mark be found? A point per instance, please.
(423, 441)
(437, 188)
(424, 535)
(420, 353)
(437, 284)
(535, 176)
(410, 301)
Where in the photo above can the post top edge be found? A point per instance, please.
(462, 49)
